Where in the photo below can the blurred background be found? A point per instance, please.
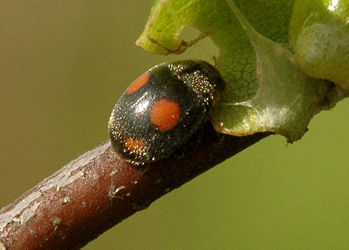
(64, 64)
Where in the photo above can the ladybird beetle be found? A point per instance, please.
(162, 109)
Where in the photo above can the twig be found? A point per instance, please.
(98, 190)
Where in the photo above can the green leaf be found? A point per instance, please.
(319, 34)
(266, 90)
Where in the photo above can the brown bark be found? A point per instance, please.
(98, 190)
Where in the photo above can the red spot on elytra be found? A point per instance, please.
(135, 146)
(165, 114)
(138, 83)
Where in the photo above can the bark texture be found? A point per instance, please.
(99, 189)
